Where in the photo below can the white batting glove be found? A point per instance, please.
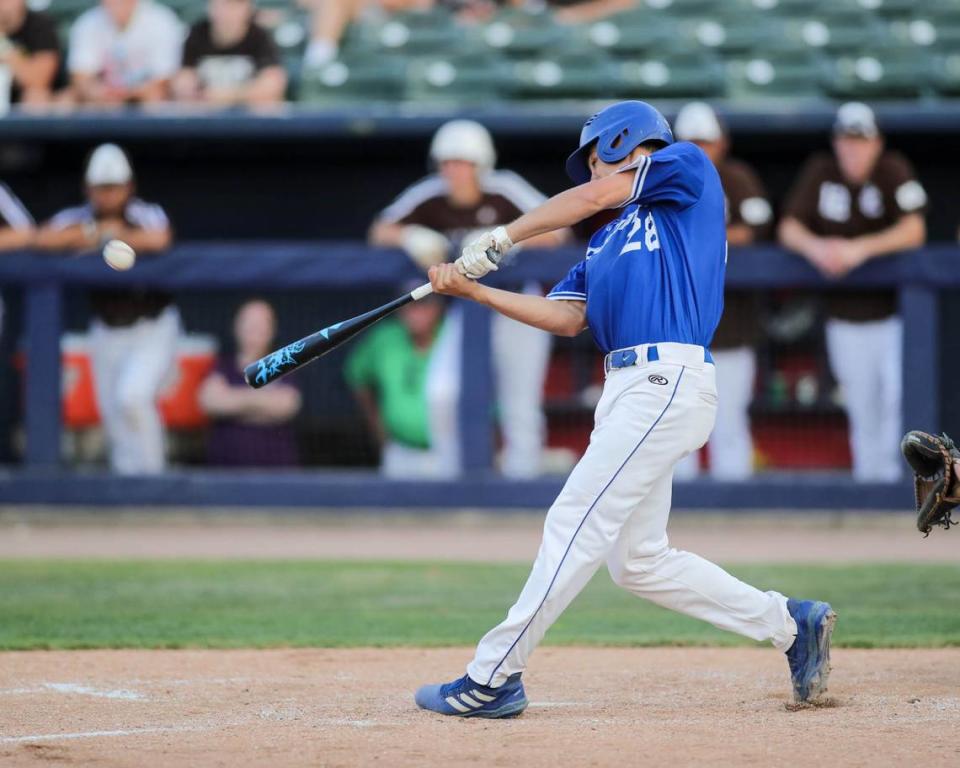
(474, 261)
(425, 246)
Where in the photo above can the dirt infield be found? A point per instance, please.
(459, 536)
(589, 707)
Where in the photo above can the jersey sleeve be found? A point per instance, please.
(573, 287)
(192, 47)
(408, 206)
(748, 202)
(147, 216)
(266, 54)
(12, 212)
(45, 36)
(909, 196)
(674, 175)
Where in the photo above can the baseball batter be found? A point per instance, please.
(650, 290)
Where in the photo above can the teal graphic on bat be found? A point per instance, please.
(309, 348)
(272, 366)
(301, 352)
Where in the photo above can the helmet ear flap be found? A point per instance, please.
(615, 146)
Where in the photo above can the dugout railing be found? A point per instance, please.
(919, 278)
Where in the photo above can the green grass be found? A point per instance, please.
(257, 604)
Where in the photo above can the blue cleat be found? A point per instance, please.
(809, 656)
(465, 698)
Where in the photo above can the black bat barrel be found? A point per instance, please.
(289, 358)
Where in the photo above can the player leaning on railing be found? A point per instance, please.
(651, 291)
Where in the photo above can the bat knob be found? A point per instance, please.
(494, 255)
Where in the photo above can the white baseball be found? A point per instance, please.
(119, 255)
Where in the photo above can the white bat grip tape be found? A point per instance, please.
(424, 290)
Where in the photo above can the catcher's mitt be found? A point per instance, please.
(935, 462)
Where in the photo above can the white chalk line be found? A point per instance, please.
(122, 693)
(76, 688)
(86, 690)
(97, 734)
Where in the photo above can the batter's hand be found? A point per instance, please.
(447, 280)
(474, 261)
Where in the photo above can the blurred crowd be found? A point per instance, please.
(123, 52)
(846, 207)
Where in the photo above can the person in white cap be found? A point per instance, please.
(124, 51)
(858, 204)
(133, 332)
(749, 216)
(427, 220)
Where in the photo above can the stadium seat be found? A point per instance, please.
(381, 79)
(727, 35)
(578, 75)
(890, 73)
(455, 79)
(412, 33)
(683, 7)
(774, 74)
(630, 33)
(889, 9)
(677, 75)
(945, 71)
(938, 28)
(835, 32)
(519, 34)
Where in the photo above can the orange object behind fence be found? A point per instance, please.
(196, 355)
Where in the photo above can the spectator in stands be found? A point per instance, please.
(30, 49)
(133, 332)
(124, 51)
(749, 216)
(251, 427)
(859, 204)
(17, 227)
(229, 59)
(389, 372)
(427, 220)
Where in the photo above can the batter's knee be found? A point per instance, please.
(625, 571)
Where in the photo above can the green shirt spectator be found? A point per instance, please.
(389, 364)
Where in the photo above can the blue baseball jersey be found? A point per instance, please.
(655, 273)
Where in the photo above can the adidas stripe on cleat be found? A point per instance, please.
(465, 698)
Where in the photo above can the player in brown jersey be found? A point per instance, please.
(860, 203)
(427, 220)
(749, 217)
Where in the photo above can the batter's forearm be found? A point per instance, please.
(563, 318)
(572, 206)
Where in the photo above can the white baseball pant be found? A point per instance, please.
(867, 361)
(614, 509)
(731, 444)
(129, 367)
(404, 462)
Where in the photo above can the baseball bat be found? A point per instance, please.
(309, 348)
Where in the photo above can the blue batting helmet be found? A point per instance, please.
(617, 131)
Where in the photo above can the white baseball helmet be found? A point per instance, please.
(463, 140)
(697, 122)
(108, 164)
